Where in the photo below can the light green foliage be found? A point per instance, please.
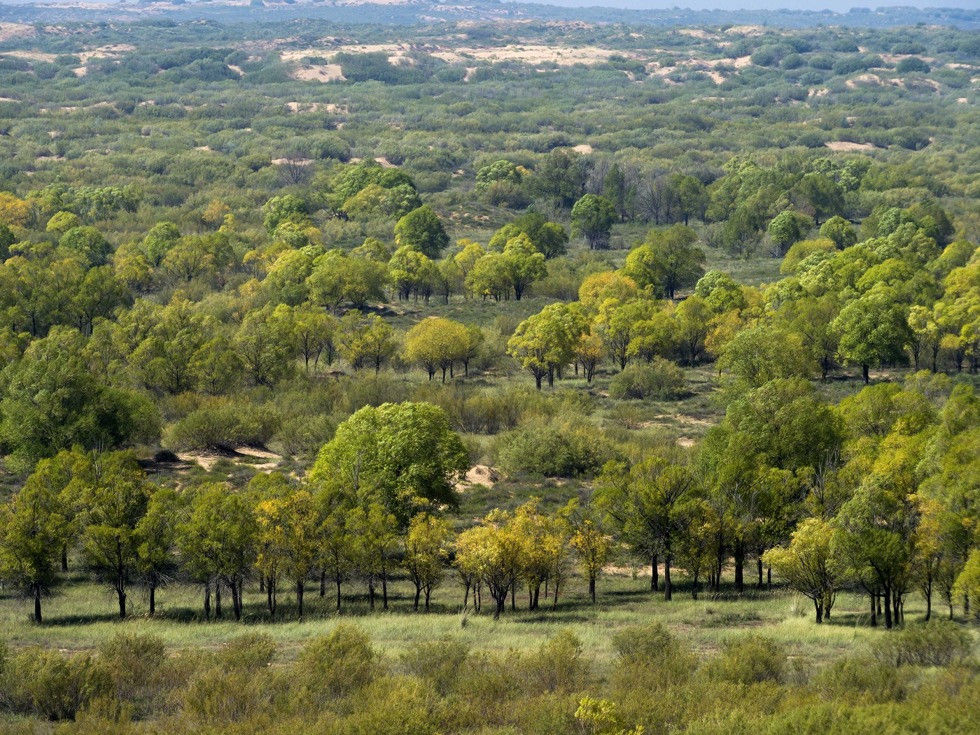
(422, 229)
(404, 455)
(592, 218)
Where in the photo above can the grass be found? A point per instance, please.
(82, 614)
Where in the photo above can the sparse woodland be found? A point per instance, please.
(488, 378)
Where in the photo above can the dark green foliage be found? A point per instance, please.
(659, 379)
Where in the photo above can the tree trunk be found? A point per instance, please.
(121, 595)
(384, 590)
(758, 564)
(153, 598)
(337, 580)
(64, 558)
(300, 589)
(865, 374)
(888, 608)
(928, 592)
(217, 599)
(668, 587)
(323, 583)
(592, 587)
(418, 594)
(207, 600)
(819, 606)
(739, 567)
(654, 573)
(874, 610)
(37, 603)
(428, 594)
(371, 593)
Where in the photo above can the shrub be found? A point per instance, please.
(54, 686)
(558, 665)
(862, 676)
(937, 643)
(216, 695)
(751, 659)
(338, 663)
(134, 663)
(224, 425)
(247, 652)
(660, 379)
(439, 662)
(552, 450)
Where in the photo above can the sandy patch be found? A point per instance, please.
(479, 474)
(292, 161)
(746, 30)
(583, 148)
(696, 33)
(818, 92)
(470, 71)
(237, 69)
(325, 73)
(316, 107)
(532, 54)
(385, 163)
(846, 145)
(15, 30)
(31, 55)
(8, 99)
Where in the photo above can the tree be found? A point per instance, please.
(51, 401)
(156, 536)
(788, 227)
(88, 243)
(263, 343)
(548, 238)
(374, 545)
(592, 218)
(762, 353)
(699, 528)
(366, 340)
(32, 532)
(641, 500)
(426, 549)
(490, 276)
(421, 229)
(524, 264)
(284, 208)
(666, 261)
(840, 231)
(810, 564)
(873, 329)
(114, 498)
(403, 454)
(592, 547)
(436, 343)
(336, 544)
(546, 341)
(217, 541)
(337, 279)
(490, 553)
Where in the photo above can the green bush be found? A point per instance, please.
(861, 676)
(224, 425)
(336, 664)
(937, 643)
(438, 662)
(551, 449)
(52, 685)
(660, 379)
(751, 659)
(135, 665)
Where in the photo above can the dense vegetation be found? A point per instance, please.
(521, 333)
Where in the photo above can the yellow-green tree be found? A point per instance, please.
(426, 549)
(436, 343)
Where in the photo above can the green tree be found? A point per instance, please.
(374, 545)
(366, 340)
(810, 564)
(840, 231)
(666, 261)
(436, 343)
(337, 279)
(156, 536)
(403, 454)
(592, 547)
(873, 329)
(32, 532)
(426, 550)
(788, 227)
(524, 264)
(218, 541)
(592, 218)
(114, 498)
(421, 229)
(546, 341)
